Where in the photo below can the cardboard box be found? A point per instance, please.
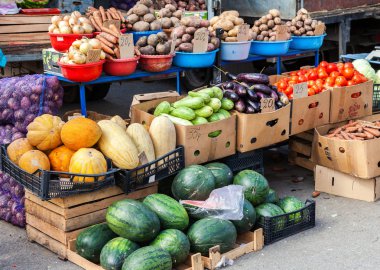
(199, 147)
(351, 102)
(358, 158)
(50, 59)
(137, 99)
(259, 130)
(340, 184)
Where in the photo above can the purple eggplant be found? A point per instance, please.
(240, 90)
(274, 88)
(255, 105)
(253, 78)
(249, 110)
(231, 95)
(230, 76)
(274, 95)
(244, 84)
(265, 89)
(252, 95)
(260, 95)
(240, 106)
(229, 85)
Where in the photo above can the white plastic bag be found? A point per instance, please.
(8, 7)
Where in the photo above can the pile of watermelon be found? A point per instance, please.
(32, 3)
(159, 232)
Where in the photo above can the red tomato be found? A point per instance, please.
(288, 90)
(358, 78)
(340, 65)
(290, 83)
(348, 73)
(294, 78)
(364, 79)
(340, 81)
(282, 85)
(348, 65)
(330, 81)
(313, 75)
(290, 96)
(349, 83)
(310, 92)
(323, 64)
(302, 78)
(311, 83)
(331, 67)
(301, 72)
(293, 73)
(334, 74)
(322, 74)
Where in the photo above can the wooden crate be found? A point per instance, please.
(245, 243)
(53, 223)
(300, 147)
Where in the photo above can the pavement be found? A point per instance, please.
(346, 235)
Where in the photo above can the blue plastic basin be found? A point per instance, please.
(270, 48)
(307, 42)
(194, 60)
(137, 35)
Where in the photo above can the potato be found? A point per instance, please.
(275, 12)
(163, 48)
(269, 16)
(266, 39)
(264, 20)
(270, 24)
(214, 20)
(305, 17)
(265, 33)
(252, 35)
(140, 26)
(175, 21)
(257, 23)
(178, 41)
(152, 40)
(238, 21)
(186, 38)
(302, 30)
(298, 18)
(177, 14)
(148, 50)
(233, 32)
(302, 11)
(140, 9)
(178, 31)
(133, 18)
(308, 28)
(255, 29)
(272, 34)
(171, 7)
(149, 18)
(166, 23)
(190, 30)
(186, 21)
(263, 27)
(294, 21)
(147, 3)
(204, 23)
(210, 47)
(310, 33)
(164, 13)
(297, 33)
(227, 25)
(224, 35)
(272, 38)
(278, 21)
(186, 47)
(231, 12)
(293, 28)
(259, 38)
(299, 24)
(142, 41)
(215, 41)
(231, 39)
(195, 22)
(308, 21)
(155, 25)
(162, 36)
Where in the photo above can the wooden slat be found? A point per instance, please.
(304, 163)
(24, 37)
(305, 136)
(300, 147)
(21, 29)
(24, 19)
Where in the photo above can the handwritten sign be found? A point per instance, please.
(267, 105)
(127, 49)
(319, 29)
(172, 44)
(281, 32)
(194, 134)
(107, 23)
(200, 41)
(243, 33)
(300, 90)
(93, 56)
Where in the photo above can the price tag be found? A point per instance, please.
(281, 32)
(200, 41)
(127, 49)
(93, 56)
(152, 179)
(319, 29)
(172, 44)
(107, 23)
(243, 33)
(59, 38)
(300, 90)
(267, 105)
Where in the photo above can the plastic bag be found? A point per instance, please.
(123, 4)
(224, 203)
(8, 7)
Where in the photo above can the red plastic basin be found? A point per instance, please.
(82, 73)
(62, 42)
(156, 63)
(121, 67)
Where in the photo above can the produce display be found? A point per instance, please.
(365, 68)
(169, 16)
(356, 130)
(191, 5)
(71, 24)
(142, 17)
(325, 76)
(303, 24)
(79, 49)
(99, 16)
(265, 29)
(230, 22)
(123, 4)
(185, 34)
(32, 3)
(154, 44)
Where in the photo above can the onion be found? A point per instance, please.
(87, 28)
(65, 30)
(65, 60)
(71, 62)
(84, 20)
(56, 19)
(66, 18)
(84, 48)
(95, 43)
(76, 14)
(62, 24)
(56, 31)
(52, 27)
(79, 58)
(76, 44)
(77, 29)
(73, 21)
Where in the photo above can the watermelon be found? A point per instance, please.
(223, 174)
(209, 232)
(32, 3)
(175, 242)
(115, 252)
(131, 219)
(290, 204)
(255, 186)
(171, 213)
(271, 210)
(271, 197)
(148, 258)
(90, 241)
(248, 220)
(194, 182)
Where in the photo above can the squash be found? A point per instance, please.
(33, 160)
(60, 158)
(17, 148)
(80, 132)
(117, 145)
(87, 161)
(45, 132)
(120, 121)
(163, 134)
(141, 138)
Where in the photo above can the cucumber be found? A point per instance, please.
(206, 98)
(199, 120)
(208, 91)
(215, 104)
(205, 112)
(190, 102)
(163, 107)
(184, 113)
(218, 93)
(177, 120)
(227, 104)
(224, 113)
(215, 117)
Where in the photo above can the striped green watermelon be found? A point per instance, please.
(248, 220)
(209, 232)
(148, 258)
(223, 174)
(271, 197)
(90, 241)
(255, 186)
(290, 204)
(175, 242)
(194, 182)
(171, 213)
(115, 252)
(131, 219)
(271, 210)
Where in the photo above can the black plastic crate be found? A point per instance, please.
(376, 98)
(48, 184)
(280, 227)
(146, 175)
(253, 160)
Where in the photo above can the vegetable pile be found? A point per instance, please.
(190, 5)
(356, 130)
(71, 24)
(8, 133)
(99, 16)
(323, 77)
(303, 24)
(229, 21)
(12, 207)
(123, 4)
(154, 44)
(169, 16)
(265, 28)
(142, 17)
(79, 49)
(185, 34)
(365, 68)
(246, 90)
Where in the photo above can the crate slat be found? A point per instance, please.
(24, 19)
(38, 27)
(24, 37)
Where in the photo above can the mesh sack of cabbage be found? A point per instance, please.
(24, 98)
(12, 200)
